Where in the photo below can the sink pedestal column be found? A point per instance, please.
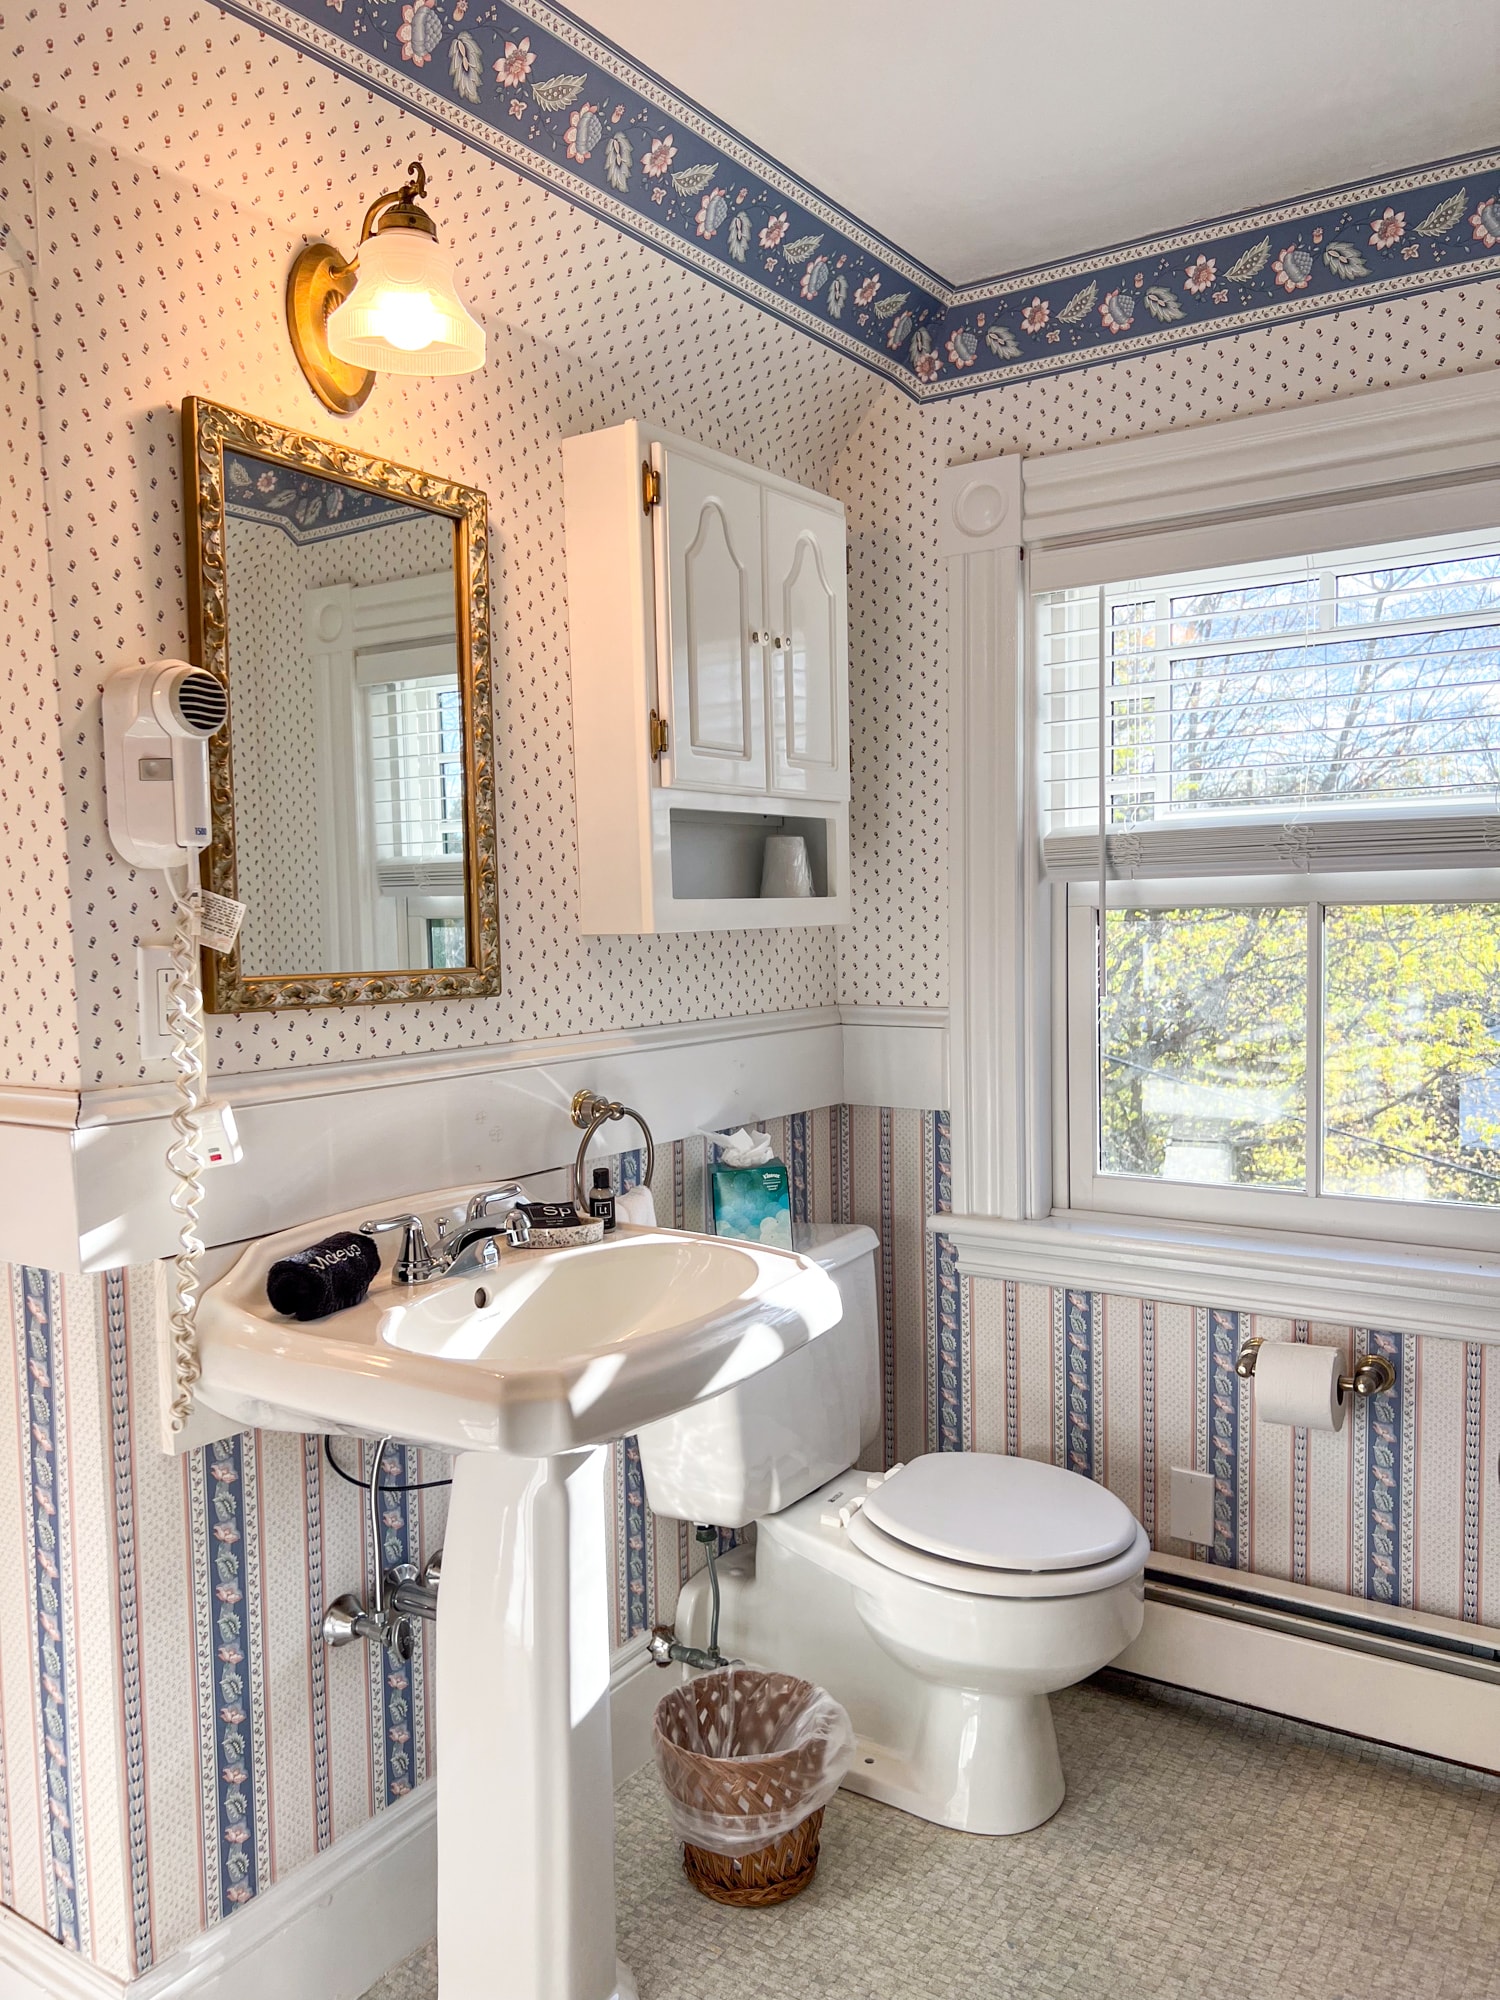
(526, 1866)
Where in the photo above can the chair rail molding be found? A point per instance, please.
(1401, 1288)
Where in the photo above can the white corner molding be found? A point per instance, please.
(1397, 1287)
(896, 1057)
(993, 1023)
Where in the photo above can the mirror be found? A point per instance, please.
(343, 601)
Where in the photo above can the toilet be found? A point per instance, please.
(941, 1602)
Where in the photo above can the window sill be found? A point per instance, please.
(1404, 1288)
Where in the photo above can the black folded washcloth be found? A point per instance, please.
(324, 1278)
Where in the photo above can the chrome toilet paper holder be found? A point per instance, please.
(1373, 1375)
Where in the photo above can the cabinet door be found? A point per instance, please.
(709, 585)
(807, 612)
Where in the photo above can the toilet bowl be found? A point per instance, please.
(941, 1603)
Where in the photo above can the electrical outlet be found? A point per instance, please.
(153, 970)
(1192, 1506)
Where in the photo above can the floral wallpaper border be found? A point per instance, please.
(304, 505)
(530, 85)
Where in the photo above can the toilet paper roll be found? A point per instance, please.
(1297, 1384)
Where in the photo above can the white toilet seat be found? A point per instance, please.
(994, 1526)
(1000, 1512)
(971, 1580)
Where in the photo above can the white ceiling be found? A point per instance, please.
(985, 136)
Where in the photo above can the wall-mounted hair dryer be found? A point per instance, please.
(157, 722)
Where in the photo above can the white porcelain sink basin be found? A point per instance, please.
(524, 1371)
(554, 1350)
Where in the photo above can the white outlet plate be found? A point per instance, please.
(153, 968)
(1191, 1504)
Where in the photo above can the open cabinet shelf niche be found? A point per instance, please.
(708, 621)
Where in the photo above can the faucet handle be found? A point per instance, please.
(479, 1204)
(414, 1263)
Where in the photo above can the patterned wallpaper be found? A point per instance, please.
(272, 714)
(36, 961)
(586, 329)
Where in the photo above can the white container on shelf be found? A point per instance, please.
(786, 869)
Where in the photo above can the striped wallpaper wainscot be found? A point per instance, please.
(1398, 1507)
(214, 1691)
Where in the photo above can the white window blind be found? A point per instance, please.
(1318, 714)
(416, 779)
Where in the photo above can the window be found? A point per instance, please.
(1280, 784)
(414, 729)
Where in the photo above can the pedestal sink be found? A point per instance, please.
(525, 1372)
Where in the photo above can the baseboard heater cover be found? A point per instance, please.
(1360, 1627)
(1318, 1656)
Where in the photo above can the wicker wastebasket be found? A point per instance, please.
(749, 1760)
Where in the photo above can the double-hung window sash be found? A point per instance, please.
(1281, 784)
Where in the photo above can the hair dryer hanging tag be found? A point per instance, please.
(218, 918)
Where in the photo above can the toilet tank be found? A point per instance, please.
(760, 1446)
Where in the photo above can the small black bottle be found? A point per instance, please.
(602, 1200)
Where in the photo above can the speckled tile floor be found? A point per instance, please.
(1202, 1851)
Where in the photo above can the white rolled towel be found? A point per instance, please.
(636, 1207)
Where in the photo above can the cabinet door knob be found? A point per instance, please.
(757, 637)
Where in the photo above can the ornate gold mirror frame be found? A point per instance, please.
(207, 430)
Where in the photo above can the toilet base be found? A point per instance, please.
(981, 1764)
(947, 1692)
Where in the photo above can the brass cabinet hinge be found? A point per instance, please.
(658, 735)
(650, 486)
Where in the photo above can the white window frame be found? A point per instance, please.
(1391, 466)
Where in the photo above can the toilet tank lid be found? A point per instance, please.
(833, 1244)
(1001, 1513)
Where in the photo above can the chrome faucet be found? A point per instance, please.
(415, 1263)
(516, 1219)
(473, 1244)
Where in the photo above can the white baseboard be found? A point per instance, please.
(329, 1931)
(1400, 1702)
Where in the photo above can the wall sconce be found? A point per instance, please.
(391, 310)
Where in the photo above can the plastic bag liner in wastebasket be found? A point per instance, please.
(746, 1756)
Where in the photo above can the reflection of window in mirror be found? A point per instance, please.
(348, 726)
(415, 747)
(390, 741)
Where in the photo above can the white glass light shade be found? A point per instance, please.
(404, 316)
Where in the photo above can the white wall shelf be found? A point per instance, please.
(709, 631)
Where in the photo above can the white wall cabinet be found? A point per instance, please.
(708, 626)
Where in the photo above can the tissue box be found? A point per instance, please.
(754, 1204)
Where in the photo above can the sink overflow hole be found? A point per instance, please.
(481, 1297)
